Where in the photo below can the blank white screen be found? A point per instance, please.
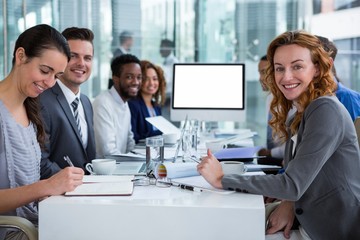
(211, 86)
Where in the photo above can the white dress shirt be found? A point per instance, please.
(70, 97)
(112, 124)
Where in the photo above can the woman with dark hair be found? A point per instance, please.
(40, 55)
(320, 186)
(148, 102)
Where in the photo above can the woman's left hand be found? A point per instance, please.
(282, 218)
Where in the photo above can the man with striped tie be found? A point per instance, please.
(67, 113)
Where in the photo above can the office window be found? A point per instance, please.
(348, 61)
(216, 31)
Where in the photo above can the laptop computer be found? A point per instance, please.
(130, 168)
(129, 164)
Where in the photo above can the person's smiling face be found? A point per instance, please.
(79, 68)
(40, 73)
(128, 83)
(294, 70)
(150, 85)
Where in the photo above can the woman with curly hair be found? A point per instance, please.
(320, 186)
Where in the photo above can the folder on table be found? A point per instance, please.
(243, 154)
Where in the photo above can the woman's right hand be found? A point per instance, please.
(65, 181)
(210, 168)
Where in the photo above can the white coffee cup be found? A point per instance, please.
(101, 166)
(233, 167)
(215, 146)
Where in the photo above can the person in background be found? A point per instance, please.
(270, 143)
(167, 52)
(40, 56)
(148, 102)
(274, 151)
(262, 73)
(112, 117)
(70, 130)
(126, 41)
(347, 96)
(320, 184)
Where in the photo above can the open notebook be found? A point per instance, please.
(104, 185)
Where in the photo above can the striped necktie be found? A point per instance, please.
(75, 105)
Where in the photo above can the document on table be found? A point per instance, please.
(201, 183)
(176, 170)
(104, 185)
(165, 126)
(189, 169)
(237, 153)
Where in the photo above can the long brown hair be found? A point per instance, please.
(35, 41)
(321, 85)
(159, 96)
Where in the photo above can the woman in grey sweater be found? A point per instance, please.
(41, 53)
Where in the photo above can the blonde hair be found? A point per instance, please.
(321, 85)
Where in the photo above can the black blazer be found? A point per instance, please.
(61, 129)
(139, 126)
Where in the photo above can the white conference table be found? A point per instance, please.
(153, 213)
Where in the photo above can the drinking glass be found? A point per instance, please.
(154, 153)
(189, 145)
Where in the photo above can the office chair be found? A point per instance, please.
(21, 224)
(357, 127)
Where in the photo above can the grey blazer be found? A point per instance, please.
(322, 174)
(61, 129)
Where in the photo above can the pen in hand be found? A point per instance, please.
(67, 159)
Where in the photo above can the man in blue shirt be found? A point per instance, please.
(348, 97)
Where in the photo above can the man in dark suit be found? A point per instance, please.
(68, 114)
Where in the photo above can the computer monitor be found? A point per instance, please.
(208, 92)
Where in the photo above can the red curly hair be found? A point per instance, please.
(321, 85)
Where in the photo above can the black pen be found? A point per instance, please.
(190, 188)
(137, 153)
(67, 159)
